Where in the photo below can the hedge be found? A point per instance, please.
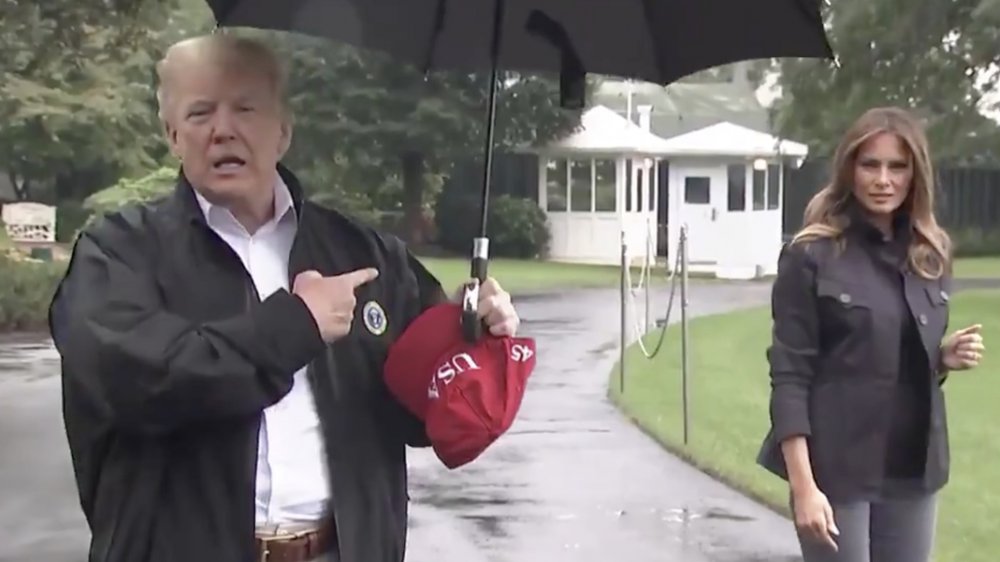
(26, 289)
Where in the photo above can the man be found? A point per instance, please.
(214, 410)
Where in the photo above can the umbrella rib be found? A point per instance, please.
(439, 14)
(661, 66)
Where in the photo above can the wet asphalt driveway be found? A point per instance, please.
(572, 480)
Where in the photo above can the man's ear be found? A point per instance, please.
(170, 134)
(285, 141)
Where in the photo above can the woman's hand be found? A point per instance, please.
(963, 349)
(814, 516)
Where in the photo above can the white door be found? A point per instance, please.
(701, 195)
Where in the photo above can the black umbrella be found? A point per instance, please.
(652, 40)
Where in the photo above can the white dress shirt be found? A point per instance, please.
(292, 484)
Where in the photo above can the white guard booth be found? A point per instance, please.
(726, 184)
(599, 183)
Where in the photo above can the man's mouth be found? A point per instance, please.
(229, 163)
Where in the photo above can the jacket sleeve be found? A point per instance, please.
(940, 371)
(150, 371)
(422, 291)
(795, 342)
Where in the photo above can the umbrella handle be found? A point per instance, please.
(472, 327)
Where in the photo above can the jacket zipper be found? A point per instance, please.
(251, 296)
(312, 377)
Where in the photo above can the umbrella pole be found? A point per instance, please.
(471, 326)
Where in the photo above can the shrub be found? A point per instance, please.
(5, 242)
(26, 289)
(973, 242)
(326, 187)
(517, 227)
(150, 186)
(70, 217)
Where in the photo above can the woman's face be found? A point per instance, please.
(883, 175)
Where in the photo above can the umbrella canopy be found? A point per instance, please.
(652, 40)
(657, 41)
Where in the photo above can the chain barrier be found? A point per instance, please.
(644, 283)
(628, 293)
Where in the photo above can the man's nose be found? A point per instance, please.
(223, 126)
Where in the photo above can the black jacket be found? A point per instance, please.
(841, 314)
(169, 360)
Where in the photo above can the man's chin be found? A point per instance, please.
(222, 191)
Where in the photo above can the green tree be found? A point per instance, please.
(76, 94)
(929, 57)
(398, 129)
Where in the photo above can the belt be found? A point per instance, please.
(296, 546)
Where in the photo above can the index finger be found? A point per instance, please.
(973, 329)
(359, 277)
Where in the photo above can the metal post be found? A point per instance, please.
(624, 296)
(685, 365)
(649, 273)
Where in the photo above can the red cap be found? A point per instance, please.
(466, 394)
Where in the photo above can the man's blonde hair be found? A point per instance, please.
(223, 49)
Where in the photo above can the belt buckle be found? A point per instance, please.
(278, 536)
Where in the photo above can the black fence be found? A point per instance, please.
(966, 198)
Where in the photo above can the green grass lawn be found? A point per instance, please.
(728, 385)
(978, 268)
(531, 276)
(535, 276)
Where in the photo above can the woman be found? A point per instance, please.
(858, 357)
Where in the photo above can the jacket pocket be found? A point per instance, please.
(846, 295)
(846, 327)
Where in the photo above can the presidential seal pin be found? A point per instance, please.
(374, 318)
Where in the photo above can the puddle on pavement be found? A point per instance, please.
(553, 326)
(489, 514)
(463, 502)
(686, 515)
(548, 322)
(560, 431)
(490, 525)
(27, 358)
(602, 349)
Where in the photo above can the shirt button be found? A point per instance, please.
(845, 298)
(944, 296)
(923, 319)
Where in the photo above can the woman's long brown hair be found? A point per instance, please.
(929, 254)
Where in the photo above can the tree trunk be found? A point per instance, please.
(77, 184)
(413, 198)
(22, 187)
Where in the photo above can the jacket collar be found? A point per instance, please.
(860, 226)
(187, 200)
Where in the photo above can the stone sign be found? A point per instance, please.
(30, 222)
